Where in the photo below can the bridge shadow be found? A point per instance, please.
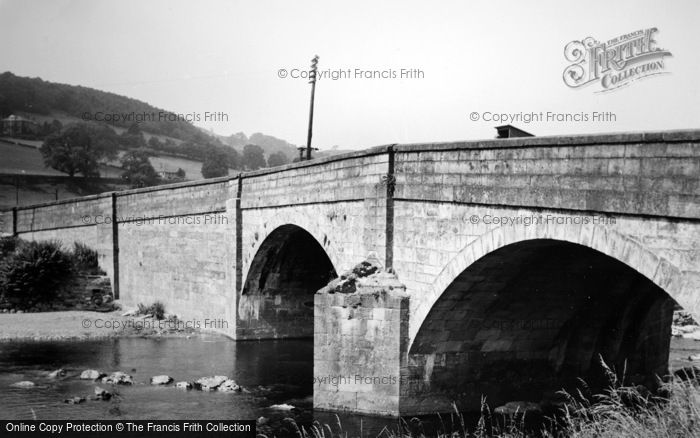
(530, 319)
(277, 297)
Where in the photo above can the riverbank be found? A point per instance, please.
(85, 325)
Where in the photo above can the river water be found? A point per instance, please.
(273, 373)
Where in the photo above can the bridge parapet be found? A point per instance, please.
(656, 174)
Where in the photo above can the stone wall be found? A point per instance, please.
(172, 243)
(69, 221)
(341, 201)
(173, 248)
(641, 174)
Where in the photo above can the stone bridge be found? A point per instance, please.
(524, 261)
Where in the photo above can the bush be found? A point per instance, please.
(158, 310)
(8, 245)
(35, 273)
(85, 258)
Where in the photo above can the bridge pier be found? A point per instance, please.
(360, 338)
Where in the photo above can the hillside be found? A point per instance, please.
(177, 142)
(45, 101)
(34, 95)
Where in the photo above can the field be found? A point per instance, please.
(27, 163)
(16, 159)
(20, 159)
(36, 183)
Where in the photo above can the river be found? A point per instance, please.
(273, 373)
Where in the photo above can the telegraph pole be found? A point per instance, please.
(312, 81)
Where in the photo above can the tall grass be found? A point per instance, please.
(620, 411)
(85, 258)
(629, 411)
(156, 310)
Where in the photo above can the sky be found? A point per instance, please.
(490, 57)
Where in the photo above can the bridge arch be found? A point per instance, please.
(608, 241)
(276, 300)
(519, 315)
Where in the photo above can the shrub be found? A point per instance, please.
(8, 245)
(85, 258)
(35, 273)
(158, 310)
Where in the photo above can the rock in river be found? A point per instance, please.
(74, 400)
(282, 407)
(118, 378)
(161, 380)
(210, 383)
(58, 373)
(23, 384)
(229, 386)
(102, 394)
(91, 375)
(183, 385)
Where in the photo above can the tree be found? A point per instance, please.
(56, 125)
(214, 164)
(138, 171)
(105, 140)
(277, 159)
(134, 129)
(78, 149)
(253, 157)
(133, 138)
(180, 173)
(154, 143)
(233, 157)
(47, 128)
